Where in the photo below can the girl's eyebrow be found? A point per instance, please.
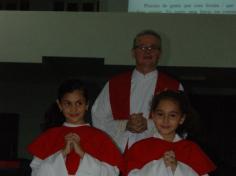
(176, 112)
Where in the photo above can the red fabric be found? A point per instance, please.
(14, 164)
(152, 148)
(72, 162)
(119, 91)
(93, 141)
(165, 82)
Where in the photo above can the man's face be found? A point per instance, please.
(147, 52)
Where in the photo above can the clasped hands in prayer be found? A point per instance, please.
(72, 141)
(170, 160)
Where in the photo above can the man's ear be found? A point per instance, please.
(182, 119)
(58, 104)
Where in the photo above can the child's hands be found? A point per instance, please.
(68, 145)
(76, 145)
(170, 160)
(72, 142)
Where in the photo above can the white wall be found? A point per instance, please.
(188, 40)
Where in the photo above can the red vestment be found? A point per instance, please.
(119, 91)
(152, 148)
(92, 140)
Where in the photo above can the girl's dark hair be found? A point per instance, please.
(189, 126)
(53, 116)
(70, 86)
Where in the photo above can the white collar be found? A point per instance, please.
(138, 75)
(74, 125)
(176, 138)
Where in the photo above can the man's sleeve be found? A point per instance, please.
(102, 117)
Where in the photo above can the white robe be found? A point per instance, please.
(142, 91)
(55, 166)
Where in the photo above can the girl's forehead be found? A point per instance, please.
(74, 95)
(169, 100)
(167, 103)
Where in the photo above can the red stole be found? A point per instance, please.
(119, 91)
(152, 148)
(93, 141)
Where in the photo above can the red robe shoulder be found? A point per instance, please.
(92, 140)
(152, 148)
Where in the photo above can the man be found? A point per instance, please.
(122, 107)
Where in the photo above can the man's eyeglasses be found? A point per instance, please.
(147, 47)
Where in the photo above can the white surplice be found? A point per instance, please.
(141, 94)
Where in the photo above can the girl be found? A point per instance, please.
(70, 146)
(166, 153)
